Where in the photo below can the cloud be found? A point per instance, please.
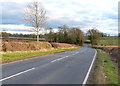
(101, 14)
(22, 29)
(12, 13)
(14, 27)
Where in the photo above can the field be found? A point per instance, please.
(111, 41)
(23, 39)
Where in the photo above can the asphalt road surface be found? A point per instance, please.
(70, 67)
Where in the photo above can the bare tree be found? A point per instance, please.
(35, 16)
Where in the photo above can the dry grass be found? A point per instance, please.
(13, 46)
(25, 46)
(62, 45)
(114, 51)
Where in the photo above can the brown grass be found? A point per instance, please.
(114, 51)
(62, 45)
(24, 46)
(14, 46)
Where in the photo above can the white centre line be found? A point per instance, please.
(59, 59)
(56, 60)
(16, 74)
(66, 56)
(63, 57)
(73, 54)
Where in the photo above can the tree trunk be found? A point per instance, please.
(37, 37)
(37, 33)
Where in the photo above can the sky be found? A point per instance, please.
(85, 14)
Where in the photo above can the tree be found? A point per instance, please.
(63, 34)
(50, 35)
(76, 36)
(5, 35)
(35, 16)
(94, 36)
(66, 35)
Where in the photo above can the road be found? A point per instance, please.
(70, 67)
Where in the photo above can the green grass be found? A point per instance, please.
(12, 56)
(108, 68)
(104, 71)
(109, 41)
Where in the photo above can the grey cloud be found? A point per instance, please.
(87, 16)
(70, 22)
(12, 13)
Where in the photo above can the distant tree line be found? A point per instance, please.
(7, 36)
(63, 35)
(22, 35)
(66, 35)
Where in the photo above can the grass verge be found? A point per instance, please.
(104, 71)
(13, 56)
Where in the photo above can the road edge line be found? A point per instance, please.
(14, 75)
(87, 75)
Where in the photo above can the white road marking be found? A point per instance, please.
(87, 75)
(73, 52)
(66, 56)
(63, 57)
(28, 69)
(16, 74)
(56, 60)
(59, 59)
(84, 82)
